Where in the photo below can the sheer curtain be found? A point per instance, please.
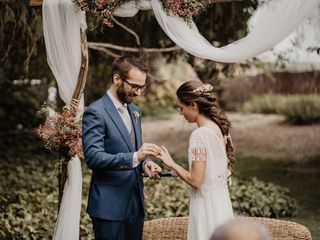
(274, 21)
(62, 22)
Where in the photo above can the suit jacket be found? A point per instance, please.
(108, 152)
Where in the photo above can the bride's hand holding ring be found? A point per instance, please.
(164, 155)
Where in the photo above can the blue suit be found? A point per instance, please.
(116, 188)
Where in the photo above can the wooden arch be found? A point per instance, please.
(82, 77)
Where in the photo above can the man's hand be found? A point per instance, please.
(148, 149)
(152, 169)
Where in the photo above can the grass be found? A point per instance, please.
(301, 179)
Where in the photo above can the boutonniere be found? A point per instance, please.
(136, 115)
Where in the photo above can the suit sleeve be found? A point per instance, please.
(93, 133)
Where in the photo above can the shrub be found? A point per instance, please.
(166, 198)
(169, 197)
(298, 109)
(301, 109)
(259, 199)
(29, 195)
(238, 89)
(28, 203)
(266, 103)
(159, 97)
(19, 107)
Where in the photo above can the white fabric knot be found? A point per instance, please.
(131, 8)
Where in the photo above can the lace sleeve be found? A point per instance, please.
(197, 148)
(198, 154)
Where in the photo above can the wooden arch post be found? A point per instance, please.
(74, 105)
(75, 100)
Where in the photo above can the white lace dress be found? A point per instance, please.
(210, 206)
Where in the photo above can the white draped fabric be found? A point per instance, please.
(68, 221)
(276, 20)
(62, 22)
(131, 8)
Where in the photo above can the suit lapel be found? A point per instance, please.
(116, 118)
(135, 124)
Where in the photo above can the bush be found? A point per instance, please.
(259, 199)
(237, 90)
(29, 193)
(160, 97)
(170, 198)
(301, 109)
(266, 103)
(28, 203)
(19, 106)
(166, 198)
(298, 109)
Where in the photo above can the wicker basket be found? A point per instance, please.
(176, 229)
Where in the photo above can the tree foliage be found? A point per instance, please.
(23, 56)
(21, 41)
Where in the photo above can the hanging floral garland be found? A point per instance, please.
(185, 9)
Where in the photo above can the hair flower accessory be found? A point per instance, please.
(136, 115)
(206, 88)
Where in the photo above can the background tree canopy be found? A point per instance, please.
(23, 56)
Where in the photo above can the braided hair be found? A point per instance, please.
(203, 96)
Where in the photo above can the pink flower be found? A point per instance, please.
(62, 132)
(182, 8)
(100, 3)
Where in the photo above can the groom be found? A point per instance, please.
(114, 152)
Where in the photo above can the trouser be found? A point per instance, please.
(129, 229)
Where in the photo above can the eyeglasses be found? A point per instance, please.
(135, 87)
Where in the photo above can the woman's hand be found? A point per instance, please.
(166, 158)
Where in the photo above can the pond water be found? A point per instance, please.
(303, 181)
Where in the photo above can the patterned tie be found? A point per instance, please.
(133, 139)
(127, 122)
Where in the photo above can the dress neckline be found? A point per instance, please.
(211, 128)
(215, 133)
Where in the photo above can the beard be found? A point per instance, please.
(124, 96)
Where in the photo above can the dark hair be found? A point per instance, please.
(122, 65)
(203, 96)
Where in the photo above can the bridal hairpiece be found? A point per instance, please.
(206, 88)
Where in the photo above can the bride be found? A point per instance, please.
(210, 157)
